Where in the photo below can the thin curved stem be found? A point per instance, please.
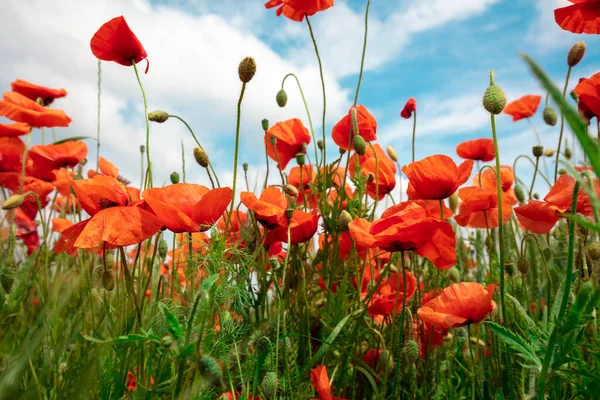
(148, 182)
(364, 51)
(312, 130)
(312, 36)
(532, 163)
(562, 125)
(537, 162)
(235, 155)
(414, 134)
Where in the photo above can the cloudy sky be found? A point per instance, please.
(438, 51)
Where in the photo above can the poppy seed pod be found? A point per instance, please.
(247, 69)
(523, 265)
(494, 100)
(289, 213)
(550, 116)
(273, 140)
(281, 98)
(548, 152)
(342, 151)
(453, 201)
(345, 219)
(269, 385)
(392, 153)
(300, 159)
(174, 177)
(290, 190)
(108, 281)
(594, 251)
(520, 193)
(536, 196)
(359, 145)
(201, 157)
(320, 144)
(158, 116)
(509, 267)
(568, 153)
(411, 351)
(576, 53)
(265, 124)
(245, 166)
(142, 149)
(537, 151)
(163, 248)
(210, 370)
(13, 202)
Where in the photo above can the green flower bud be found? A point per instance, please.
(550, 116)
(548, 152)
(174, 177)
(359, 145)
(158, 116)
(320, 144)
(247, 69)
(290, 190)
(269, 385)
(520, 193)
(201, 157)
(453, 201)
(345, 219)
(281, 98)
(576, 54)
(411, 351)
(594, 251)
(210, 370)
(245, 166)
(163, 248)
(392, 153)
(265, 124)
(385, 362)
(108, 280)
(300, 159)
(494, 99)
(537, 150)
(568, 153)
(523, 265)
(13, 202)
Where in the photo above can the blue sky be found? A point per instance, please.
(438, 51)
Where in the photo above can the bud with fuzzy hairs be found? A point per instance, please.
(411, 351)
(548, 152)
(550, 116)
(7, 277)
(494, 99)
(163, 248)
(108, 281)
(576, 53)
(210, 370)
(245, 166)
(568, 153)
(593, 251)
(523, 265)
(359, 145)
(392, 153)
(453, 201)
(158, 116)
(520, 193)
(174, 177)
(247, 69)
(13, 202)
(281, 98)
(453, 275)
(290, 190)
(269, 385)
(345, 219)
(537, 151)
(385, 362)
(201, 157)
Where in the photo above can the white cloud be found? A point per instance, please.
(544, 32)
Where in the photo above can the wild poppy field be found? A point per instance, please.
(326, 279)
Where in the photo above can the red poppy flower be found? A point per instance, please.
(291, 135)
(581, 17)
(106, 168)
(409, 108)
(478, 149)
(408, 227)
(43, 160)
(479, 208)
(115, 41)
(187, 207)
(269, 209)
(367, 127)
(435, 177)
(320, 381)
(14, 129)
(35, 92)
(588, 92)
(523, 107)
(433, 208)
(391, 293)
(114, 220)
(26, 230)
(19, 108)
(344, 243)
(297, 9)
(459, 304)
(60, 224)
(380, 166)
(239, 219)
(507, 179)
(11, 154)
(303, 226)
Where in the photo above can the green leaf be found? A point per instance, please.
(327, 343)
(371, 381)
(133, 337)
(533, 328)
(210, 281)
(556, 306)
(173, 324)
(570, 113)
(499, 395)
(74, 138)
(581, 220)
(516, 342)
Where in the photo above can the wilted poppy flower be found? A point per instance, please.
(588, 92)
(391, 293)
(458, 305)
(581, 17)
(43, 160)
(435, 177)
(297, 9)
(409, 108)
(367, 127)
(290, 135)
(479, 208)
(478, 149)
(302, 227)
(408, 227)
(507, 179)
(523, 107)
(187, 207)
(381, 168)
(320, 381)
(114, 41)
(269, 209)
(11, 154)
(114, 221)
(19, 108)
(35, 92)
(14, 129)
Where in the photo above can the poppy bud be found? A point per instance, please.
(163, 248)
(265, 124)
(537, 151)
(568, 153)
(281, 98)
(342, 151)
(548, 152)
(453, 275)
(520, 193)
(201, 157)
(359, 145)
(273, 140)
(574, 96)
(245, 166)
(536, 196)
(210, 370)
(385, 362)
(453, 201)
(576, 54)
(290, 190)
(392, 153)
(523, 265)
(274, 263)
(166, 341)
(247, 69)
(289, 212)
(83, 162)
(411, 351)
(550, 116)
(174, 177)
(594, 251)
(269, 385)
(7, 277)
(300, 159)
(562, 171)
(320, 144)
(345, 219)
(108, 281)
(489, 243)
(13, 202)
(494, 99)
(142, 149)
(158, 116)
(109, 260)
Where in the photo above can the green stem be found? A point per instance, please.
(414, 134)
(235, 154)
(312, 36)
(148, 182)
(182, 161)
(364, 50)
(474, 372)
(537, 163)
(312, 130)
(98, 125)
(562, 125)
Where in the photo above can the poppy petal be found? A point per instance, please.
(211, 207)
